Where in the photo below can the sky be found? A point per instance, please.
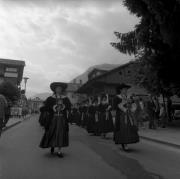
(60, 39)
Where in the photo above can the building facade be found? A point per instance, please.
(95, 73)
(107, 82)
(35, 104)
(71, 93)
(12, 71)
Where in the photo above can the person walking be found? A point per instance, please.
(84, 111)
(57, 132)
(3, 105)
(169, 109)
(163, 116)
(7, 111)
(77, 114)
(125, 132)
(91, 118)
(150, 107)
(157, 111)
(96, 117)
(105, 120)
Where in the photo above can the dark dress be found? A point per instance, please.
(70, 116)
(57, 132)
(84, 116)
(42, 116)
(81, 115)
(91, 119)
(150, 108)
(124, 131)
(105, 119)
(97, 122)
(77, 116)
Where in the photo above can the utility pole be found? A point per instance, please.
(25, 82)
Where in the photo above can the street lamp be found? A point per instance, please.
(25, 82)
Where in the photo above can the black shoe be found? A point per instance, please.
(52, 150)
(125, 148)
(60, 155)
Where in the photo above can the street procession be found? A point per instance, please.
(96, 115)
(89, 89)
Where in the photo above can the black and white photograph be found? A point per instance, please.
(89, 89)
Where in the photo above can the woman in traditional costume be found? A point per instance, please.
(77, 115)
(57, 129)
(105, 119)
(84, 114)
(92, 125)
(95, 116)
(125, 132)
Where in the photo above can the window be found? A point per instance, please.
(120, 73)
(8, 69)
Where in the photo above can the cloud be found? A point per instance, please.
(60, 39)
(68, 2)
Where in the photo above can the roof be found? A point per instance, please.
(114, 70)
(96, 69)
(12, 62)
(105, 68)
(95, 80)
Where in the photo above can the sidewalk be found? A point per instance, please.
(14, 121)
(169, 136)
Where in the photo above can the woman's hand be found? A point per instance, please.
(133, 107)
(55, 108)
(122, 108)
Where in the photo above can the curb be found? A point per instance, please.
(10, 126)
(177, 146)
(16, 123)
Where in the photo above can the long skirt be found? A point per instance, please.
(57, 135)
(97, 125)
(125, 132)
(77, 118)
(90, 123)
(84, 119)
(105, 123)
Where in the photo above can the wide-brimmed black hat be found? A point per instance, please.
(56, 84)
(122, 86)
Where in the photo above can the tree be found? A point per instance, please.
(155, 41)
(9, 90)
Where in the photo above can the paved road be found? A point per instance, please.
(87, 157)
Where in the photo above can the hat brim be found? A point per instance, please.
(54, 85)
(122, 86)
